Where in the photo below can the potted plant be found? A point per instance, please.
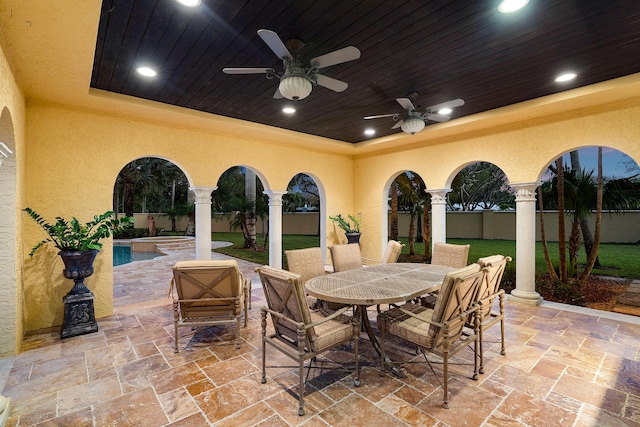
(78, 244)
(350, 225)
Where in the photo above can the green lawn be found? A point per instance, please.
(617, 259)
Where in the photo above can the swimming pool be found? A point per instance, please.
(122, 255)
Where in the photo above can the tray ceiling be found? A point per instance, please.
(441, 50)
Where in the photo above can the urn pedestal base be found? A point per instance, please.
(79, 315)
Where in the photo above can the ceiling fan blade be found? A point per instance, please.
(406, 104)
(247, 70)
(329, 83)
(277, 94)
(438, 117)
(275, 43)
(380, 116)
(397, 125)
(449, 104)
(337, 57)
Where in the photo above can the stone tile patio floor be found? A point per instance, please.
(565, 366)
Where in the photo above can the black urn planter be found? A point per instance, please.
(353, 237)
(79, 315)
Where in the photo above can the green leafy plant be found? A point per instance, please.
(345, 224)
(73, 236)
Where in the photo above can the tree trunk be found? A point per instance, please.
(394, 211)
(412, 232)
(426, 232)
(596, 241)
(250, 194)
(545, 248)
(562, 245)
(587, 237)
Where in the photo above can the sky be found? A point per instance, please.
(613, 162)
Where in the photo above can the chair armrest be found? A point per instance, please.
(330, 317)
(462, 316)
(282, 317)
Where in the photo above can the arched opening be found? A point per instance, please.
(304, 213)
(9, 315)
(406, 217)
(574, 233)
(240, 209)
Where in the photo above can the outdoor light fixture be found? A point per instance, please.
(509, 6)
(147, 71)
(288, 110)
(295, 86)
(412, 125)
(565, 77)
(190, 3)
(369, 132)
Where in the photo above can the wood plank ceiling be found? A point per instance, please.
(440, 49)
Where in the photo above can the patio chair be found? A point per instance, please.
(487, 293)
(391, 254)
(209, 293)
(440, 330)
(450, 255)
(307, 262)
(299, 333)
(346, 257)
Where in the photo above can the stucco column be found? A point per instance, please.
(203, 221)
(275, 227)
(438, 215)
(525, 291)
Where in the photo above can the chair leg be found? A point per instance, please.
(383, 333)
(501, 301)
(238, 332)
(301, 337)
(445, 368)
(175, 323)
(264, 346)
(356, 339)
(481, 355)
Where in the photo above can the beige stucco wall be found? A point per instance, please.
(522, 150)
(73, 158)
(12, 190)
(67, 158)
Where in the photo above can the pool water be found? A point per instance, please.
(123, 255)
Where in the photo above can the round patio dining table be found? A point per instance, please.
(378, 284)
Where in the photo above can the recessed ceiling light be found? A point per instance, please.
(509, 6)
(369, 132)
(445, 111)
(565, 77)
(190, 3)
(146, 71)
(288, 110)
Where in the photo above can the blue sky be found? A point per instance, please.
(613, 162)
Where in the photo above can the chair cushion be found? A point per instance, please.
(450, 255)
(407, 327)
(209, 279)
(306, 262)
(392, 252)
(346, 257)
(486, 261)
(330, 333)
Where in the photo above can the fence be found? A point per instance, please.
(488, 225)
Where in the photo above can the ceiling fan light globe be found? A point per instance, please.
(412, 125)
(295, 87)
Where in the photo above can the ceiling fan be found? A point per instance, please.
(415, 121)
(297, 80)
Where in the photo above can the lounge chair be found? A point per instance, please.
(209, 293)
